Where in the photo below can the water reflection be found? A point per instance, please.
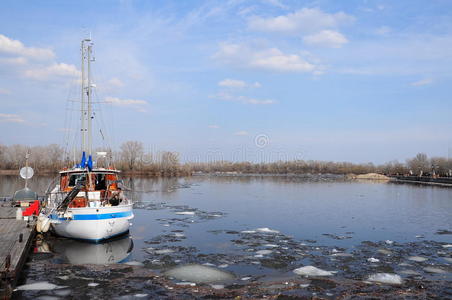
(78, 253)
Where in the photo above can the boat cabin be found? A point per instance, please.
(100, 187)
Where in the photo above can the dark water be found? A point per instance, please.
(262, 228)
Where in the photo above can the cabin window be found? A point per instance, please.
(100, 182)
(75, 178)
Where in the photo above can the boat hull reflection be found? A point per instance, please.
(80, 253)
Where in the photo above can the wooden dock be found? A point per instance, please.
(15, 240)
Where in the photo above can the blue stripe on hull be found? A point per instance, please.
(95, 216)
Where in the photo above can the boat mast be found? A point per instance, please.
(86, 107)
(83, 129)
(90, 117)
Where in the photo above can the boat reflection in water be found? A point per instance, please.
(80, 253)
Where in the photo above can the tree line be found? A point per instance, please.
(131, 158)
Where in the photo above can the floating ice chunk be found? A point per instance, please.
(134, 263)
(271, 245)
(264, 252)
(305, 285)
(62, 292)
(342, 254)
(39, 286)
(389, 242)
(217, 286)
(177, 234)
(447, 246)
(267, 230)
(64, 277)
(248, 231)
(386, 278)
(409, 272)
(373, 260)
(186, 283)
(448, 259)
(312, 271)
(93, 284)
(164, 251)
(188, 213)
(434, 270)
(245, 278)
(208, 264)
(166, 225)
(417, 258)
(223, 266)
(384, 251)
(419, 236)
(140, 295)
(199, 274)
(258, 255)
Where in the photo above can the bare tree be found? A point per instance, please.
(131, 153)
(419, 164)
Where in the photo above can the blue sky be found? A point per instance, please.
(357, 80)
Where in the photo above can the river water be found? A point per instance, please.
(258, 230)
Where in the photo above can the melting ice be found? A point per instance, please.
(199, 274)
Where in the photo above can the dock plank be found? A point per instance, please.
(14, 246)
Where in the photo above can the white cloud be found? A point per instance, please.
(234, 83)
(326, 38)
(422, 82)
(116, 82)
(241, 133)
(383, 30)
(276, 3)
(303, 21)
(4, 91)
(213, 126)
(242, 99)
(11, 118)
(271, 59)
(14, 61)
(56, 69)
(15, 47)
(136, 104)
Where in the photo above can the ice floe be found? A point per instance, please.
(217, 286)
(448, 259)
(384, 251)
(39, 286)
(434, 270)
(134, 263)
(417, 258)
(164, 251)
(312, 271)
(264, 252)
(385, 278)
(373, 260)
(188, 213)
(93, 284)
(266, 230)
(199, 274)
(410, 272)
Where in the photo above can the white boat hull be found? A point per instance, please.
(93, 223)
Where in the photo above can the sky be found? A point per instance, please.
(262, 80)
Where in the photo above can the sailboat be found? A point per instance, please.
(86, 202)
